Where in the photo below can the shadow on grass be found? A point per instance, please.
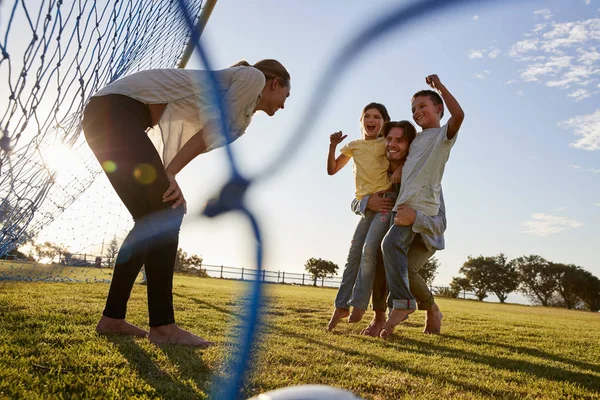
(191, 367)
(587, 381)
(372, 388)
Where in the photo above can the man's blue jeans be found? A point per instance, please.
(395, 247)
(359, 272)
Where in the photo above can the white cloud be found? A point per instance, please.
(587, 2)
(586, 126)
(561, 55)
(560, 209)
(579, 94)
(475, 17)
(494, 52)
(588, 56)
(592, 170)
(598, 204)
(482, 75)
(533, 157)
(475, 54)
(520, 93)
(541, 224)
(523, 46)
(545, 13)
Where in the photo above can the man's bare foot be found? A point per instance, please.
(433, 320)
(396, 316)
(338, 314)
(356, 315)
(172, 334)
(374, 327)
(108, 325)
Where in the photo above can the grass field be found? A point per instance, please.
(48, 348)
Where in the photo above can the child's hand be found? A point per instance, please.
(433, 81)
(336, 138)
(396, 176)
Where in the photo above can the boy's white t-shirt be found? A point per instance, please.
(423, 170)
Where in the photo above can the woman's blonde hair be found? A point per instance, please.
(270, 68)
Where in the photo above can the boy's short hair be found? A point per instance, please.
(433, 96)
(409, 129)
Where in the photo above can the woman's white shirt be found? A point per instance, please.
(189, 107)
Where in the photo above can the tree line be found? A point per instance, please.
(544, 282)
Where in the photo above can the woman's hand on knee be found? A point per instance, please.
(174, 193)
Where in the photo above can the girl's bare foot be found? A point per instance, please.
(374, 327)
(396, 316)
(108, 325)
(338, 314)
(172, 334)
(356, 315)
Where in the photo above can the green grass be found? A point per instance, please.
(48, 348)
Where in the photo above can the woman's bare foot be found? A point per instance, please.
(338, 314)
(356, 315)
(108, 325)
(172, 334)
(433, 320)
(396, 316)
(374, 327)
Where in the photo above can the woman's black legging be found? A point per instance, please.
(115, 128)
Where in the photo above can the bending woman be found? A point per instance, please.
(115, 124)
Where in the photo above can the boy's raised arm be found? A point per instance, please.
(457, 115)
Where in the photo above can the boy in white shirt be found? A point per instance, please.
(420, 189)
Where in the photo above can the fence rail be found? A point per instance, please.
(245, 274)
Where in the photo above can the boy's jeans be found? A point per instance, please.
(395, 247)
(362, 260)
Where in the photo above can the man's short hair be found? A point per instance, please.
(433, 96)
(409, 130)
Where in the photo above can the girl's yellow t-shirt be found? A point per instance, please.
(370, 165)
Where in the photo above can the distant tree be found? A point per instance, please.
(476, 270)
(187, 264)
(569, 278)
(447, 292)
(502, 276)
(319, 268)
(576, 287)
(181, 261)
(460, 284)
(429, 270)
(16, 254)
(112, 251)
(536, 278)
(589, 292)
(48, 250)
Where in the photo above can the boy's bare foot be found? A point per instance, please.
(108, 325)
(433, 320)
(338, 314)
(172, 334)
(396, 316)
(374, 327)
(356, 315)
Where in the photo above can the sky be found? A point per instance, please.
(523, 177)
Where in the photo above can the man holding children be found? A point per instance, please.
(418, 214)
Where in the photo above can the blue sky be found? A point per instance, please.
(522, 179)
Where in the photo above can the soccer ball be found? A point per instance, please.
(307, 392)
